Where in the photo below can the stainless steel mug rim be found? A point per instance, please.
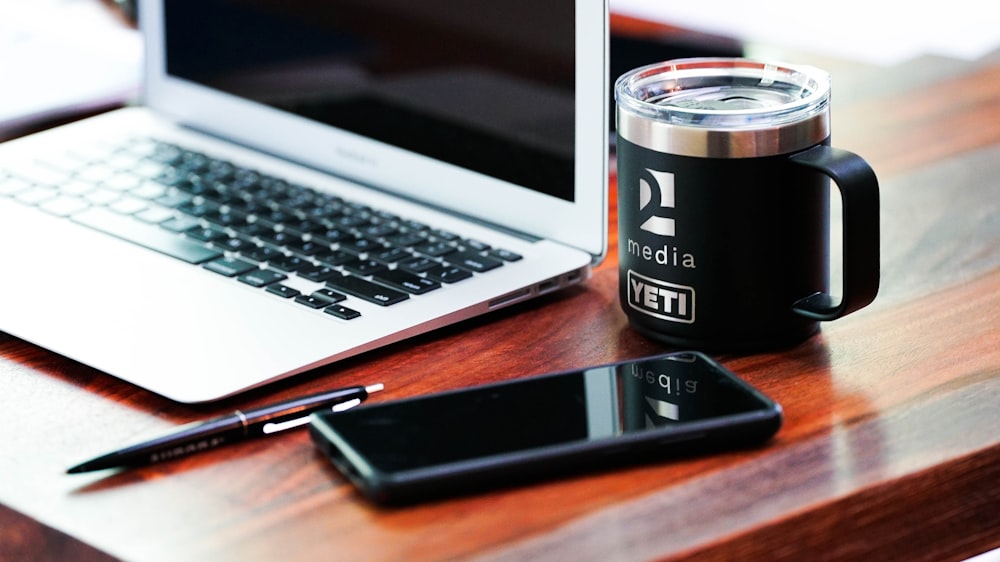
(780, 128)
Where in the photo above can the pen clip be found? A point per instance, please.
(275, 427)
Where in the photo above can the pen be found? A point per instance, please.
(238, 426)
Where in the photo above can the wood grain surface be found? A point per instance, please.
(890, 448)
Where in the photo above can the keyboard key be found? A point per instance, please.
(36, 195)
(38, 174)
(261, 253)
(330, 295)
(435, 249)
(365, 267)
(234, 244)
(448, 274)
(155, 215)
(206, 234)
(179, 224)
(12, 186)
(318, 273)
(307, 247)
(283, 291)
(444, 235)
(279, 238)
(392, 255)
(145, 235)
(102, 196)
(406, 239)
(476, 245)
(63, 206)
(405, 281)
(473, 261)
(335, 258)
(262, 277)
(364, 289)
(288, 264)
(341, 311)
(505, 255)
(361, 245)
(418, 264)
(230, 267)
(313, 301)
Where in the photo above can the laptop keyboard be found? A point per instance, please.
(257, 229)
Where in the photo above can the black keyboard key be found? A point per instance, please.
(173, 199)
(379, 230)
(330, 236)
(227, 217)
(335, 258)
(307, 247)
(473, 261)
(413, 225)
(283, 291)
(354, 220)
(230, 267)
(197, 208)
(313, 301)
(364, 289)
(361, 245)
(233, 244)
(365, 267)
(253, 230)
(273, 217)
(435, 249)
(341, 311)
(288, 264)
(391, 255)
(206, 234)
(476, 245)
(405, 281)
(262, 253)
(444, 235)
(318, 273)
(418, 264)
(279, 238)
(262, 277)
(505, 255)
(148, 236)
(448, 274)
(406, 239)
(330, 295)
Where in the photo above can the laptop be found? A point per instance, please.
(307, 181)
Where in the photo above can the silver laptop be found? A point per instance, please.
(306, 181)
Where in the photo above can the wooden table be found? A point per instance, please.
(890, 449)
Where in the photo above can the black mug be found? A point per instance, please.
(724, 169)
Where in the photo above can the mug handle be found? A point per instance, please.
(859, 193)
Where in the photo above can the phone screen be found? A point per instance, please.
(674, 397)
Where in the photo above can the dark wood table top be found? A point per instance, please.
(890, 447)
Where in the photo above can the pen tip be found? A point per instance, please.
(374, 387)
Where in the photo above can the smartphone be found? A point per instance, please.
(545, 426)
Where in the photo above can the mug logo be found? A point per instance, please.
(660, 299)
(661, 184)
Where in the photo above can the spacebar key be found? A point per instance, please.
(146, 235)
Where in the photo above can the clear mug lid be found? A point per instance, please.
(784, 106)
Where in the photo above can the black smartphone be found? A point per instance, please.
(511, 432)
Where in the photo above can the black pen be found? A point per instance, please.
(238, 426)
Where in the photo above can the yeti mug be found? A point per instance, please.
(724, 169)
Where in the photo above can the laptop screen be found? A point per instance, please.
(487, 86)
